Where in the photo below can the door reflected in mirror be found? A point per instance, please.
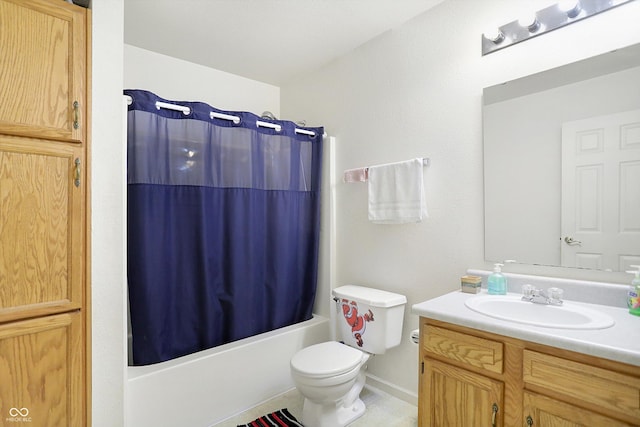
(562, 165)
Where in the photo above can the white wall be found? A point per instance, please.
(416, 91)
(179, 80)
(108, 269)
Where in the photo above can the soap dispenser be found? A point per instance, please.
(634, 300)
(497, 283)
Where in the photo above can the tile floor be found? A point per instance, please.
(382, 410)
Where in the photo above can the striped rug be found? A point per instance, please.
(281, 418)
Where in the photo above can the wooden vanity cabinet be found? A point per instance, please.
(471, 377)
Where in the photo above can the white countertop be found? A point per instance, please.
(620, 342)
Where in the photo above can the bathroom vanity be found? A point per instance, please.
(477, 369)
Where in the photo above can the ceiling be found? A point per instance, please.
(271, 41)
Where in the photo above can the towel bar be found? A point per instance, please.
(360, 174)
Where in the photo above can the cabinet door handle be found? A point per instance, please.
(494, 410)
(76, 120)
(529, 421)
(76, 180)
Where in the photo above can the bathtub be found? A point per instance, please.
(204, 388)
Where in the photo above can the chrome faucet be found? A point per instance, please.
(553, 296)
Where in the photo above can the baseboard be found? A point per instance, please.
(392, 389)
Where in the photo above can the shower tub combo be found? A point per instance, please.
(204, 388)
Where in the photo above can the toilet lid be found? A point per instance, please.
(326, 359)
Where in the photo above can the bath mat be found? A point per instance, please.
(281, 418)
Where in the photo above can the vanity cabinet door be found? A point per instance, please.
(541, 411)
(452, 396)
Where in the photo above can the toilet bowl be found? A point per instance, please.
(331, 375)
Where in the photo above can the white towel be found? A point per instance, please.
(396, 193)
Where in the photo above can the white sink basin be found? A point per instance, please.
(513, 309)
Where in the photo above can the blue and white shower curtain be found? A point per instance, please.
(223, 226)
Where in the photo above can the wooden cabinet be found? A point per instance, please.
(464, 372)
(44, 139)
(605, 390)
(457, 397)
(43, 73)
(41, 370)
(42, 227)
(544, 411)
(467, 389)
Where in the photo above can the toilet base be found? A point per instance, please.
(331, 414)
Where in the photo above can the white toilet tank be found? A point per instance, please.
(369, 319)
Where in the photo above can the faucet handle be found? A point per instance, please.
(528, 290)
(555, 294)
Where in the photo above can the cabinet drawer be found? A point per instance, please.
(467, 349)
(544, 411)
(609, 390)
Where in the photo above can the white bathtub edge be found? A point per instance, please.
(202, 389)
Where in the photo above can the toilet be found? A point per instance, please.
(331, 375)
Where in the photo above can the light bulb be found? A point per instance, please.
(530, 22)
(571, 7)
(494, 34)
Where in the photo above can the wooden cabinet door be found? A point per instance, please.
(453, 396)
(600, 389)
(541, 411)
(41, 367)
(41, 227)
(43, 69)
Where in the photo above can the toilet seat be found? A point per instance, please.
(327, 359)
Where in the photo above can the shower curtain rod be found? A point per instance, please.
(215, 115)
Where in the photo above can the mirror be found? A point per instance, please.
(562, 165)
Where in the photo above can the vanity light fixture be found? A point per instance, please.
(548, 19)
